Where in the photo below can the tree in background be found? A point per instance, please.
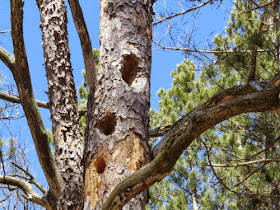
(235, 164)
(106, 169)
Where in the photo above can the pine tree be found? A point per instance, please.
(243, 151)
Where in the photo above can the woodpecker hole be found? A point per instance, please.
(100, 164)
(130, 68)
(107, 124)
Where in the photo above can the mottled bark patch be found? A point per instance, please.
(107, 124)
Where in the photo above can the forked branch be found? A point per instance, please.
(27, 188)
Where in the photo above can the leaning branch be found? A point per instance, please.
(31, 195)
(205, 116)
(27, 99)
(81, 27)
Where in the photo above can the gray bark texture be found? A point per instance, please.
(118, 113)
(66, 130)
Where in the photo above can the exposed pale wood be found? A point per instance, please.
(118, 114)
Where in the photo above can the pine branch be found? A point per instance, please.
(227, 187)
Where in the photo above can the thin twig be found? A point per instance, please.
(222, 183)
(207, 51)
(182, 13)
(32, 179)
(246, 163)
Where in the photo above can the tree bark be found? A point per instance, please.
(118, 113)
(66, 130)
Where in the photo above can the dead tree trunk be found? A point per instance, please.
(118, 113)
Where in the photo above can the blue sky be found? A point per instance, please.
(211, 20)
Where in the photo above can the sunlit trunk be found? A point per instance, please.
(118, 113)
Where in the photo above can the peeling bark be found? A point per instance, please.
(118, 113)
(67, 135)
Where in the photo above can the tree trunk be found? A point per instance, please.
(118, 113)
(69, 145)
(194, 193)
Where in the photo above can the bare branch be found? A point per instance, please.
(32, 179)
(247, 163)
(250, 174)
(22, 77)
(183, 49)
(205, 116)
(258, 7)
(31, 195)
(182, 13)
(81, 27)
(15, 99)
(5, 31)
(7, 59)
(227, 187)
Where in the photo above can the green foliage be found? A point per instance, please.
(50, 138)
(239, 140)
